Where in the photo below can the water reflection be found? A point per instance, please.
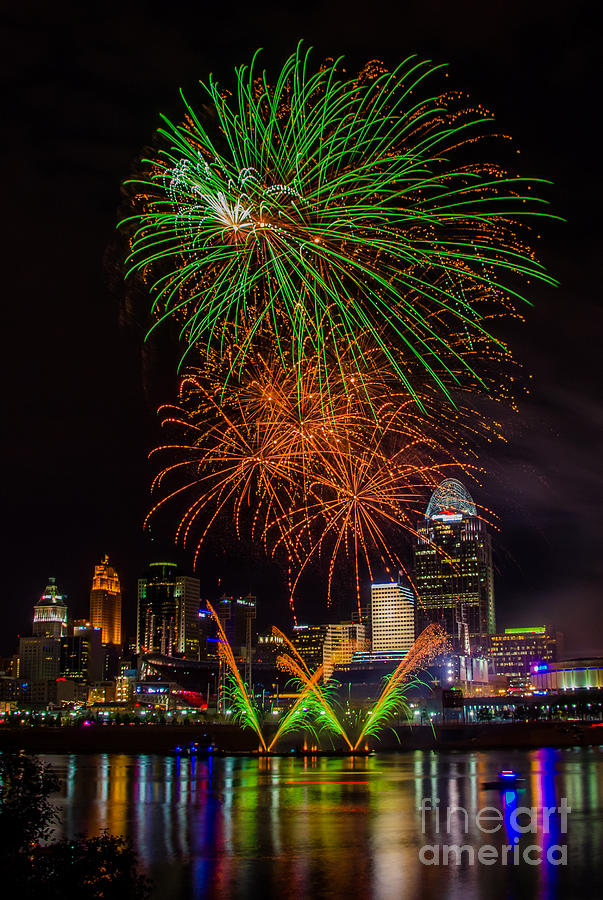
(220, 828)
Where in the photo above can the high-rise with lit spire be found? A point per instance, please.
(50, 613)
(453, 568)
(105, 602)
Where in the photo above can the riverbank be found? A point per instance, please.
(229, 738)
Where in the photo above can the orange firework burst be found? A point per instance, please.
(228, 462)
(311, 474)
(359, 494)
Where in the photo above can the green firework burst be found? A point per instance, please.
(323, 206)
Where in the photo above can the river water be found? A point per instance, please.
(338, 827)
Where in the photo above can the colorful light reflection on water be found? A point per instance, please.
(222, 827)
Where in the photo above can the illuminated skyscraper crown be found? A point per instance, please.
(50, 612)
(450, 498)
(105, 578)
(51, 596)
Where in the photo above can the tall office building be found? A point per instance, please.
(453, 568)
(105, 603)
(309, 640)
(515, 652)
(168, 612)
(341, 642)
(236, 615)
(39, 658)
(50, 613)
(82, 654)
(392, 617)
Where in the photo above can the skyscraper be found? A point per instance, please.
(236, 615)
(40, 655)
(82, 654)
(453, 568)
(341, 642)
(168, 612)
(39, 658)
(392, 617)
(516, 651)
(105, 603)
(309, 640)
(50, 613)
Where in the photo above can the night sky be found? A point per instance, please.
(86, 83)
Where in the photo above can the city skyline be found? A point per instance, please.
(170, 599)
(449, 501)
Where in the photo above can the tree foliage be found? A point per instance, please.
(35, 866)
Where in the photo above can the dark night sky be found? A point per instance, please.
(86, 83)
